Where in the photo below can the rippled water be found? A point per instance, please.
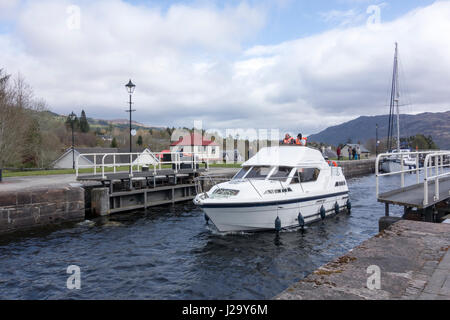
(169, 253)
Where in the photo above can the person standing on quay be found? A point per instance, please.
(354, 153)
(349, 153)
(338, 152)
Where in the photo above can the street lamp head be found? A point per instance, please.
(130, 87)
(72, 116)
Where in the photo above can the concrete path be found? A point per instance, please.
(31, 182)
(413, 259)
(438, 287)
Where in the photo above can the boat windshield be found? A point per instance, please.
(259, 172)
(241, 173)
(280, 174)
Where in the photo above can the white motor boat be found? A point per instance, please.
(393, 164)
(280, 187)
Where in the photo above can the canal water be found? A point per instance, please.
(169, 253)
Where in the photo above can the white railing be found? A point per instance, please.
(439, 158)
(439, 166)
(177, 159)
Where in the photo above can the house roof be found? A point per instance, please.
(193, 139)
(101, 152)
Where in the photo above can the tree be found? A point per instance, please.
(114, 143)
(139, 141)
(84, 125)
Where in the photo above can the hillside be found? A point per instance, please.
(362, 129)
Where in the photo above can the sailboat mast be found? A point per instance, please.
(397, 95)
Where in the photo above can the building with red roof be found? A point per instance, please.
(196, 143)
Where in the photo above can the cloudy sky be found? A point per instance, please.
(293, 65)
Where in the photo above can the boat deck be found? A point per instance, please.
(413, 196)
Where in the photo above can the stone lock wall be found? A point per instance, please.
(356, 168)
(25, 209)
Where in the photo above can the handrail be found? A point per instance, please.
(437, 155)
(176, 159)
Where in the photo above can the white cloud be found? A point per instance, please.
(190, 63)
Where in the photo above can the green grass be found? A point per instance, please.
(224, 165)
(9, 173)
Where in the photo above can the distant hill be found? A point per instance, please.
(362, 129)
(104, 124)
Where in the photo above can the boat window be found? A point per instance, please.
(295, 178)
(241, 173)
(259, 172)
(275, 191)
(308, 174)
(280, 174)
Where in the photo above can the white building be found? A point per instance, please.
(196, 144)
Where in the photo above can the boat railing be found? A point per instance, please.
(135, 161)
(437, 160)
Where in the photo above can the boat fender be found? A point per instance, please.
(336, 207)
(301, 220)
(277, 224)
(322, 212)
(349, 206)
(206, 218)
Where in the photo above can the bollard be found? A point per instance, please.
(100, 202)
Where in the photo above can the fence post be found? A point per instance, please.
(402, 174)
(417, 170)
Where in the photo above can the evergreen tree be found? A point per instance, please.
(139, 141)
(84, 125)
(114, 143)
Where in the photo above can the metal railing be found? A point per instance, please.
(177, 159)
(437, 160)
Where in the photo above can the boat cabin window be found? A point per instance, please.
(280, 174)
(308, 174)
(241, 173)
(259, 172)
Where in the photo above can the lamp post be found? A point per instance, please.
(130, 89)
(376, 140)
(72, 118)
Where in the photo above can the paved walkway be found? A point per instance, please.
(29, 182)
(413, 257)
(23, 183)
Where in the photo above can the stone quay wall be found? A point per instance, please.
(20, 210)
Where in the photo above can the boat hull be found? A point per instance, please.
(259, 217)
(389, 166)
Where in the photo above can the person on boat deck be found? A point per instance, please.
(301, 141)
(288, 139)
(349, 153)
